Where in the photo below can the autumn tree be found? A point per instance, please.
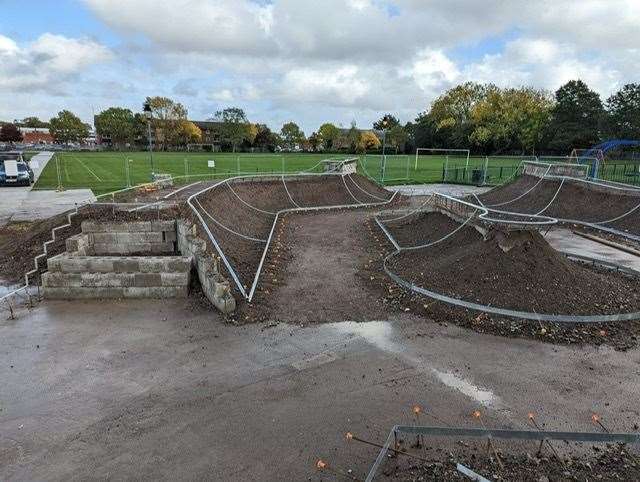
(368, 141)
(189, 133)
(167, 117)
(66, 127)
(451, 112)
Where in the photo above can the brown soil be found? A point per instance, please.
(622, 335)
(311, 274)
(220, 202)
(575, 201)
(530, 276)
(610, 462)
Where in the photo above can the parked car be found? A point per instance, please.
(15, 170)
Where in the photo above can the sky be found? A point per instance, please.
(308, 61)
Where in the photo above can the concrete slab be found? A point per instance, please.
(22, 204)
(455, 190)
(565, 240)
(149, 390)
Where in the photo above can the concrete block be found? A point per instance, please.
(174, 279)
(61, 280)
(107, 280)
(104, 238)
(98, 264)
(74, 264)
(54, 263)
(126, 265)
(160, 292)
(163, 225)
(141, 237)
(179, 265)
(169, 236)
(145, 280)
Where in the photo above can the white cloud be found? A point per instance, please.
(336, 59)
(46, 63)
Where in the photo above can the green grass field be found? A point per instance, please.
(109, 171)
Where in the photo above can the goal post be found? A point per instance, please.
(445, 154)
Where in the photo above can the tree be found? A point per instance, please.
(353, 137)
(450, 113)
(116, 123)
(576, 117)
(315, 140)
(623, 109)
(189, 133)
(67, 127)
(167, 116)
(292, 135)
(387, 121)
(368, 140)
(397, 136)
(235, 126)
(328, 134)
(10, 133)
(510, 119)
(265, 140)
(34, 122)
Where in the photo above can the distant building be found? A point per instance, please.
(36, 135)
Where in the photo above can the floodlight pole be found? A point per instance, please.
(149, 115)
(384, 154)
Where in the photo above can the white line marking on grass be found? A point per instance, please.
(87, 168)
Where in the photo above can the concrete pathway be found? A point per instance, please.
(39, 162)
(567, 241)
(24, 204)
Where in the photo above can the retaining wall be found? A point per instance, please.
(536, 169)
(93, 266)
(216, 288)
(152, 237)
(73, 276)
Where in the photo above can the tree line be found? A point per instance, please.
(482, 117)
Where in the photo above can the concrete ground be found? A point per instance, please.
(21, 203)
(151, 390)
(565, 240)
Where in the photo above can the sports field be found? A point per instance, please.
(108, 171)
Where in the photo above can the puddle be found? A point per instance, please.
(484, 397)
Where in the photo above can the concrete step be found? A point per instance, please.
(65, 263)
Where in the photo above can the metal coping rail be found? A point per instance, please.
(505, 434)
(552, 318)
(225, 260)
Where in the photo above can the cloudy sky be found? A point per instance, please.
(305, 60)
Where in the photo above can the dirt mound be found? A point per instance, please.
(620, 335)
(516, 270)
(573, 200)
